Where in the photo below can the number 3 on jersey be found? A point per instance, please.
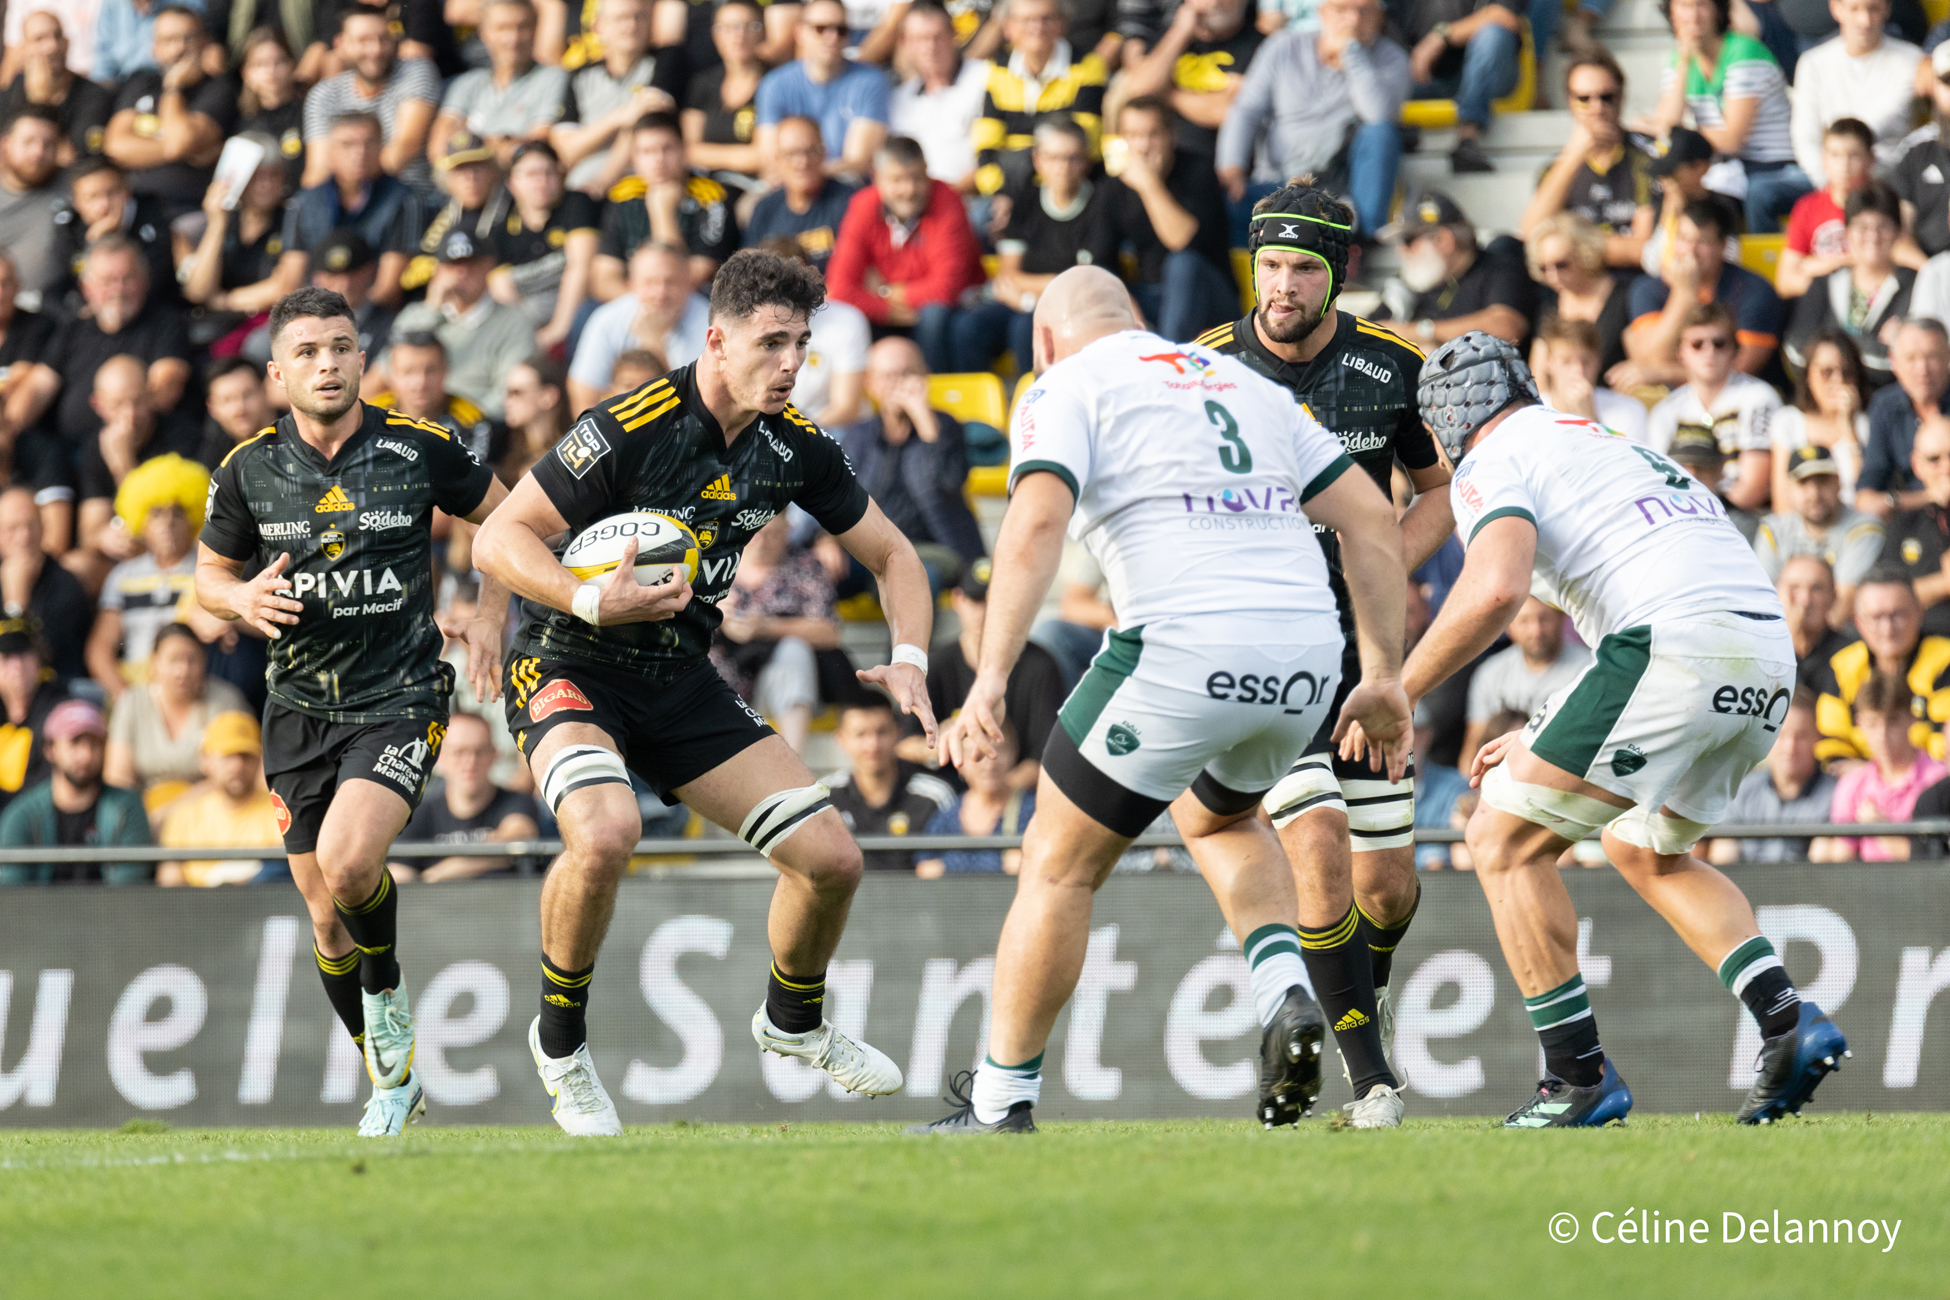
(1234, 455)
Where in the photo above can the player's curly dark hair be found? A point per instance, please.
(752, 278)
(309, 301)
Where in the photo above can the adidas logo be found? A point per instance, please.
(557, 1000)
(719, 489)
(1352, 1020)
(334, 502)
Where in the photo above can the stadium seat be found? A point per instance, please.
(1761, 254)
(1434, 114)
(1936, 10)
(975, 397)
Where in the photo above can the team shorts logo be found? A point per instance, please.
(556, 697)
(582, 447)
(284, 813)
(1627, 761)
(332, 542)
(334, 502)
(1121, 739)
(405, 764)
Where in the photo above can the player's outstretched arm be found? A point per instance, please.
(1377, 581)
(264, 602)
(1430, 519)
(1027, 553)
(512, 549)
(908, 602)
(1495, 582)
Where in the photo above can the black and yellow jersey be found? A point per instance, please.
(358, 529)
(1362, 388)
(485, 437)
(704, 219)
(1008, 122)
(659, 448)
(1837, 679)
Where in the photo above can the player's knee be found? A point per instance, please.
(607, 836)
(839, 868)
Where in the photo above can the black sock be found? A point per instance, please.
(1569, 1032)
(374, 926)
(1572, 1052)
(1384, 939)
(565, 1008)
(340, 976)
(795, 1006)
(1773, 1001)
(1337, 962)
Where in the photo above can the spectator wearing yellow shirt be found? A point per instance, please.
(232, 809)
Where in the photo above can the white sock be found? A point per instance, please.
(1274, 954)
(999, 1087)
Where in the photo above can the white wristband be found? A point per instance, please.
(911, 654)
(588, 603)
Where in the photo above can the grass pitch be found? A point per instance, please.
(1181, 1209)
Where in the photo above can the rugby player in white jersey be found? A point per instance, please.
(1691, 679)
(1226, 656)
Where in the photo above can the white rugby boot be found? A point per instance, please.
(1381, 1108)
(854, 1065)
(582, 1108)
(389, 1036)
(389, 1110)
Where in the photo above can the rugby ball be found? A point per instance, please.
(664, 545)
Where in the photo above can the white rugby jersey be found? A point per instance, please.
(1624, 536)
(1190, 473)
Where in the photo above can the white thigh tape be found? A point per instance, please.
(1651, 829)
(778, 815)
(579, 766)
(1308, 785)
(1562, 812)
(1380, 813)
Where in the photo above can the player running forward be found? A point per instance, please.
(1358, 380)
(1225, 658)
(335, 501)
(1692, 676)
(612, 676)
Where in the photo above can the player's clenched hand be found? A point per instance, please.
(977, 729)
(1490, 753)
(909, 687)
(1375, 724)
(625, 600)
(265, 601)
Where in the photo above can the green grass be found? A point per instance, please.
(1179, 1209)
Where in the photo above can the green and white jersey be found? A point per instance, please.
(1190, 474)
(1625, 537)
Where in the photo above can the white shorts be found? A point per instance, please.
(1201, 703)
(1674, 714)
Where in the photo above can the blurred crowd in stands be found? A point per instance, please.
(525, 202)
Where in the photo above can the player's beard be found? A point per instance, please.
(1297, 327)
(327, 413)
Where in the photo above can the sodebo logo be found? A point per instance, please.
(380, 521)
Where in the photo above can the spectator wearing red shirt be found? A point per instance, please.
(1817, 231)
(905, 255)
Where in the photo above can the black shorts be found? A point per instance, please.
(669, 732)
(306, 759)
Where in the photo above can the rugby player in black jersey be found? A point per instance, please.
(335, 501)
(1359, 380)
(610, 677)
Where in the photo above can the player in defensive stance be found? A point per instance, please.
(1349, 831)
(1225, 658)
(611, 676)
(1691, 679)
(336, 502)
